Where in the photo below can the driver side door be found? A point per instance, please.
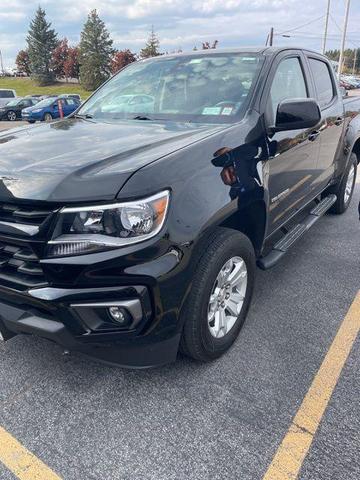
(293, 154)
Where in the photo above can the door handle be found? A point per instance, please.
(339, 121)
(313, 135)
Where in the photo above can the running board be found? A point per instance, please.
(282, 246)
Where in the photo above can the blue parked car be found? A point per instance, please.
(48, 109)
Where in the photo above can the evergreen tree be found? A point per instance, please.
(96, 52)
(41, 42)
(152, 46)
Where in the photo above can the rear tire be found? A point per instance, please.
(345, 188)
(201, 338)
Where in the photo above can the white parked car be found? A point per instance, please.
(6, 94)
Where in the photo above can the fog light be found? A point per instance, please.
(118, 314)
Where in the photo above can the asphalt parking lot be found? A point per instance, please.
(223, 420)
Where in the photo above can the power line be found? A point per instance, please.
(339, 28)
(303, 25)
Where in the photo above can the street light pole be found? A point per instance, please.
(326, 27)
(346, 18)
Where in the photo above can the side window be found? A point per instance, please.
(323, 83)
(6, 94)
(288, 82)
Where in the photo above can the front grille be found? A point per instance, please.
(20, 267)
(23, 214)
(23, 232)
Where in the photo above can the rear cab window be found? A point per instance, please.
(323, 80)
(7, 94)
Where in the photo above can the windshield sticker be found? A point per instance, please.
(211, 111)
(227, 111)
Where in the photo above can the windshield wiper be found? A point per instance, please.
(141, 117)
(81, 115)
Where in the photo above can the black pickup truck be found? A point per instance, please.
(133, 228)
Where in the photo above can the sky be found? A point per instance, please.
(183, 23)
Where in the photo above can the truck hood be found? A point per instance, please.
(78, 160)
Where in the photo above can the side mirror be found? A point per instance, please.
(297, 113)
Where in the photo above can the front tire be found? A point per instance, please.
(11, 116)
(220, 296)
(48, 117)
(345, 188)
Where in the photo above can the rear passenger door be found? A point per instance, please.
(332, 118)
(293, 154)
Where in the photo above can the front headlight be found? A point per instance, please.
(88, 229)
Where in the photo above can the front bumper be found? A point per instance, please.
(31, 116)
(68, 318)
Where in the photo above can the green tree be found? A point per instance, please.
(152, 46)
(96, 52)
(349, 57)
(41, 42)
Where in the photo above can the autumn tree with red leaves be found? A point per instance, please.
(121, 59)
(59, 57)
(71, 64)
(23, 62)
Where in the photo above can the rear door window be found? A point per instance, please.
(323, 82)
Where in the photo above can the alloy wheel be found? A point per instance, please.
(349, 185)
(11, 116)
(227, 297)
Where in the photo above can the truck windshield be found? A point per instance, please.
(199, 88)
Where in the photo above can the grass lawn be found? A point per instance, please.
(25, 86)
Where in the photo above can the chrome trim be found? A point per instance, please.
(22, 228)
(110, 206)
(133, 306)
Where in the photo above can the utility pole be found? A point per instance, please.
(346, 18)
(271, 36)
(326, 27)
(355, 61)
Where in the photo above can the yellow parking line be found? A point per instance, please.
(290, 455)
(22, 463)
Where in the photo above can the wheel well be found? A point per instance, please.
(251, 222)
(356, 149)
